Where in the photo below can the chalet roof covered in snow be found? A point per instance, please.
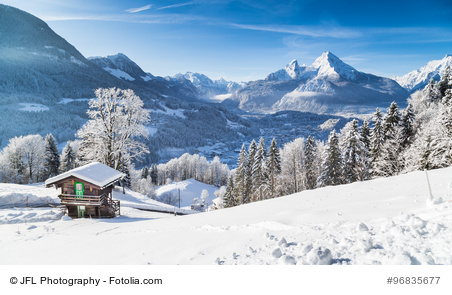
(95, 173)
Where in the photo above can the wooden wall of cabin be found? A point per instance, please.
(68, 187)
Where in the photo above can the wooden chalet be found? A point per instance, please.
(87, 191)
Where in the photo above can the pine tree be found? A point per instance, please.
(353, 153)
(240, 177)
(445, 82)
(407, 128)
(432, 91)
(52, 156)
(154, 174)
(309, 164)
(377, 138)
(229, 198)
(388, 161)
(258, 172)
(144, 173)
(67, 158)
(273, 169)
(391, 120)
(249, 169)
(331, 167)
(365, 134)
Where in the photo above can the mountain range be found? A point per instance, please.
(418, 79)
(41, 70)
(327, 86)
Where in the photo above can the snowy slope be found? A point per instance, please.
(189, 189)
(418, 79)
(383, 221)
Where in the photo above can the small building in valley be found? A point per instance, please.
(87, 191)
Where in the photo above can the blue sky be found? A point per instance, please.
(247, 40)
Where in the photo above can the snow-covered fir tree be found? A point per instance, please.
(249, 168)
(310, 169)
(52, 156)
(273, 168)
(445, 82)
(229, 196)
(68, 158)
(353, 153)
(407, 126)
(240, 177)
(391, 121)
(388, 162)
(258, 172)
(377, 138)
(153, 174)
(365, 135)
(331, 167)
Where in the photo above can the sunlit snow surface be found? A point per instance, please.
(383, 221)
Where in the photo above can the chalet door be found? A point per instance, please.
(81, 210)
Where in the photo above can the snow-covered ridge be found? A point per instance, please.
(418, 79)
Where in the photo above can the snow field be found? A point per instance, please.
(383, 221)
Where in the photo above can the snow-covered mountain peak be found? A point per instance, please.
(293, 69)
(330, 65)
(417, 79)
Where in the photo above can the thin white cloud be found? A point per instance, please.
(134, 10)
(315, 31)
(177, 5)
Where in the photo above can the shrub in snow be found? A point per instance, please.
(319, 256)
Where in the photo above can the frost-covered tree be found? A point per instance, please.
(229, 197)
(117, 122)
(331, 167)
(310, 166)
(353, 153)
(22, 160)
(365, 135)
(291, 166)
(377, 137)
(407, 126)
(273, 168)
(388, 162)
(68, 158)
(240, 191)
(391, 121)
(258, 172)
(249, 177)
(219, 201)
(445, 82)
(52, 156)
